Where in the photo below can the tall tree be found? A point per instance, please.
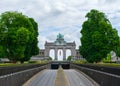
(98, 37)
(117, 50)
(35, 49)
(18, 34)
(33, 45)
(17, 41)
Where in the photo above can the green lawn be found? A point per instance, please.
(110, 64)
(26, 63)
(101, 64)
(11, 64)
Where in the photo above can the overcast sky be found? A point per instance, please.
(62, 16)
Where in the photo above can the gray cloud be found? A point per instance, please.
(62, 16)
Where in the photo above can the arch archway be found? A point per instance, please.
(52, 54)
(68, 53)
(60, 54)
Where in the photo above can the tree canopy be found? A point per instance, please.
(18, 34)
(117, 50)
(98, 37)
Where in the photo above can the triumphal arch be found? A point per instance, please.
(59, 44)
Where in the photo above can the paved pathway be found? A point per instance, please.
(77, 79)
(47, 78)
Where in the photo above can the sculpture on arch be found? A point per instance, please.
(60, 36)
(60, 43)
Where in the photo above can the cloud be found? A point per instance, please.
(62, 16)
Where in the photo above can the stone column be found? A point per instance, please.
(73, 52)
(64, 54)
(47, 50)
(56, 54)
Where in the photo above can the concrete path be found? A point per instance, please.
(47, 78)
(77, 79)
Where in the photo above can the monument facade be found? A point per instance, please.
(61, 44)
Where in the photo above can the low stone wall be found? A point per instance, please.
(13, 69)
(108, 69)
(19, 78)
(102, 78)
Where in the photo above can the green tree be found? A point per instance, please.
(2, 52)
(98, 37)
(32, 46)
(18, 35)
(69, 58)
(35, 49)
(17, 42)
(117, 50)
